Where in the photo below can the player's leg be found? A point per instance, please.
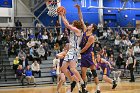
(60, 83)
(76, 73)
(96, 79)
(107, 79)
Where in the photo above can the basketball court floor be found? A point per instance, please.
(123, 87)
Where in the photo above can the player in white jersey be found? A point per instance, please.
(72, 54)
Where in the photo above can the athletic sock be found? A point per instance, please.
(97, 87)
(78, 85)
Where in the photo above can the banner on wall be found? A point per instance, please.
(6, 3)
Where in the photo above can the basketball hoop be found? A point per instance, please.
(52, 7)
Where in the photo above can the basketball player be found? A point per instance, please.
(62, 76)
(103, 64)
(87, 55)
(71, 56)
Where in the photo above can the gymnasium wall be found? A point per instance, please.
(118, 17)
(89, 15)
(113, 17)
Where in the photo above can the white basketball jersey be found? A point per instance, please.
(74, 40)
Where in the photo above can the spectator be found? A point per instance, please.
(18, 25)
(135, 33)
(56, 49)
(15, 64)
(39, 36)
(45, 37)
(31, 43)
(20, 74)
(53, 74)
(24, 62)
(45, 46)
(120, 61)
(12, 51)
(29, 76)
(97, 48)
(21, 54)
(41, 51)
(130, 64)
(33, 54)
(117, 43)
(136, 48)
(36, 68)
(110, 52)
(130, 51)
(57, 25)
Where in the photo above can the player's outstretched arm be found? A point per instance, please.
(72, 28)
(81, 17)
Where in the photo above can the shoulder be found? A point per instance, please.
(91, 38)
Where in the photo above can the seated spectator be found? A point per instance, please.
(30, 78)
(33, 53)
(130, 51)
(32, 36)
(110, 52)
(39, 36)
(41, 51)
(53, 74)
(136, 48)
(135, 33)
(45, 46)
(31, 43)
(117, 43)
(128, 42)
(105, 35)
(24, 62)
(12, 50)
(56, 49)
(120, 61)
(36, 68)
(97, 48)
(114, 70)
(20, 74)
(45, 37)
(15, 64)
(21, 54)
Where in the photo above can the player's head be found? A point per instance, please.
(77, 24)
(66, 47)
(92, 28)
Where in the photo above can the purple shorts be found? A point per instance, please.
(87, 60)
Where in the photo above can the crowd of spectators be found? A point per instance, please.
(36, 44)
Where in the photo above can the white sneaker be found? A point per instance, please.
(118, 79)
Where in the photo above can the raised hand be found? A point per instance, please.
(77, 6)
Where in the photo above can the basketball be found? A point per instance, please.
(60, 9)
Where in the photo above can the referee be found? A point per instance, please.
(130, 65)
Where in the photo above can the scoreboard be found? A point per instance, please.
(6, 3)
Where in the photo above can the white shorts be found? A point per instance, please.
(72, 54)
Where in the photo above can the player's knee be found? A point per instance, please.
(104, 76)
(72, 70)
(94, 73)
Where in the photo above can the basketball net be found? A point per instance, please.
(52, 8)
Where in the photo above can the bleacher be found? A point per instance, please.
(7, 77)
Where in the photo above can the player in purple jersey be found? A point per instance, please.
(87, 55)
(103, 64)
